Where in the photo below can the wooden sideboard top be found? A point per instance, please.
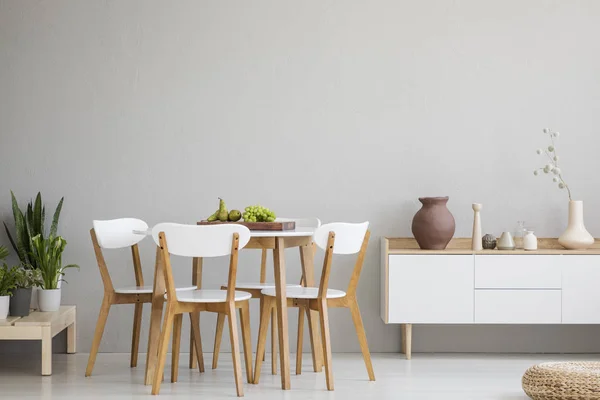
(547, 246)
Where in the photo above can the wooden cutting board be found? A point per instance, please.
(258, 226)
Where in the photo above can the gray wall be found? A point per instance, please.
(345, 110)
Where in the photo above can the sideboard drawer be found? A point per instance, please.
(517, 272)
(518, 306)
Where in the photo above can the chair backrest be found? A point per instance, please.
(118, 233)
(303, 222)
(348, 237)
(200, 240)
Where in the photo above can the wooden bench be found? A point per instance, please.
(42, 326)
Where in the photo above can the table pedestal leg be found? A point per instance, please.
(196, 280)
(282, 314)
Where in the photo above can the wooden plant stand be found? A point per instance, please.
(42, 326)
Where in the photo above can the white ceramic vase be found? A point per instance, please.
(576, 237)
(530, 241)
(4, 303)
(49, 300)
(506, 242)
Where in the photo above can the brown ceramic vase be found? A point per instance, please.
(433, 225)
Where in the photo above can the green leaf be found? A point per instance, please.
(22, 237)
(12, 242)
(3, 252)
(44, 219)
(38, 223)
(15, 206)
(55, 218)
(29, 219)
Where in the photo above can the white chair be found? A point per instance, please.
(335, 238)
(118, 234)
(255, 289)
(205, 242)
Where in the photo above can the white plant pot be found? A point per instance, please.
(34, 298)
(49, 300)
(4, 303)
(576, 237)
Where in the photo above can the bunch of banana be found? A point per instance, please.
(223, 215)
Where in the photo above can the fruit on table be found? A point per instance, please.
(258, 213)
(223, 214)
(235, 215)
(213, 217)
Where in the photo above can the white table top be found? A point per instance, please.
(298, 232)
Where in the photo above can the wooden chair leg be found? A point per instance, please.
(135, 336)
(300, 340)
(265, 315)
(274, 341)
(195, 360)
(315, 347)
(235, 349)
(247, 341)
(102, 317)
(324, 319)
(156, 316)
(175, 347)
(197, 339)
(261, 310)
(362, 339)
(163, 347)
(218, 336)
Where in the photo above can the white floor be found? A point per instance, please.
(426, 376)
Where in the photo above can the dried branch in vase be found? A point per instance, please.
(552, 166)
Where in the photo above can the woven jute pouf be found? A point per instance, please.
(572, 380)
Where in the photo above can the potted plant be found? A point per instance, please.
(47, 254)
(6, 286)
(28, 223)
(24, 280)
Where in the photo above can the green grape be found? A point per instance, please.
(258, 213)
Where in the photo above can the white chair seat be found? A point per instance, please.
(209, 296)
(145, 289)
(305, 293)
(256, 285)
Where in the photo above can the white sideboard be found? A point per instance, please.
(460, 286)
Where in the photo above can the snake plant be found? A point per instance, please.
(47, 255)
(29, 224)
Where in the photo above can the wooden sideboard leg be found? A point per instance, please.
(72, 338)
(46, 350)
(407, 340)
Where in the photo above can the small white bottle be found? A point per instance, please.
(530, 241)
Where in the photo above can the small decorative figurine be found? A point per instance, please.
(489, 242)
(476, 238)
